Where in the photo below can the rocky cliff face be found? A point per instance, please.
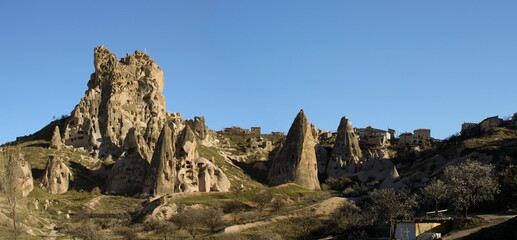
(346, 154)
(121, 95)
(56, 177)
(296, 161)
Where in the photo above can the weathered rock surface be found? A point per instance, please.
(211, 178)
(128, 173)
(346, 154)
(23, 181)
(161, 176)
(56, 177)
(121, 95)
(296, 161)
(56, 141)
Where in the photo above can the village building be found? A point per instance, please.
(422, 228)
(234, 130)
(406, 139)
(466, 127)
(422, 133)
(490, 123)
(255, 130)
(373, 136)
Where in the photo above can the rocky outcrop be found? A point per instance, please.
(161, 176)
(296, 161)
(346, 154)
(177, 167)
(56, 177)
(211, 178)
(56, 142)
(128, 173)
(121, 95)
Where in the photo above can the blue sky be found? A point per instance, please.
(397, 64)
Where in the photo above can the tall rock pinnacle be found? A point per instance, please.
(121, 95)
(161, 176)
(346, 153)
(296, 161)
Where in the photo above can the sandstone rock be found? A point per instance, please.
(56, 142)
(346, 153)
(56, 177)
(26, 182)
(128, 173)
(392, 175)
(199, 127)
(161, 176)
(211, 178)
(121, 95)
(296, 160)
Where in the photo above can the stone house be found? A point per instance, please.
(490, 123)
(422, 133)
(373, 136)
(406, 139)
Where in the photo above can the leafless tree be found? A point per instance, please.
(188, 219)
(262, 199)
(435, 192)
(391, 204)
(10, 175)
(305, 222)
(469, 183)
(212, 218)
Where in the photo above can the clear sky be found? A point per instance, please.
(398, 64)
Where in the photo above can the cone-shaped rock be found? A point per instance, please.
(128, 173)
(346, 153)
(56, 177)
(161, 176)
(187, 170)
(296, 161)
(56, 142)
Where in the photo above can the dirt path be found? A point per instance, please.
(323, 208)
(491, 220)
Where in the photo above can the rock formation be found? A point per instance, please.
(121, 95)
(21, 177)
(56, 176)
(122, 117)
(128, 173)
(296, 161)
(161, 176)
(56, 142)
(346, 154)
(211, 178)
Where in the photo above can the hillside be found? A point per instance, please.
(120, 166)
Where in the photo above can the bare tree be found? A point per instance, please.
(188, 219)
(435, 192)
(262, 199)
(469, 183)
(391, 204)
(10, 175)
(348, 218)
(212, 218)
(305, 222)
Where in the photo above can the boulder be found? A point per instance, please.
(346, 154)
(296, 161)
(56, 176)
(211, 178)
